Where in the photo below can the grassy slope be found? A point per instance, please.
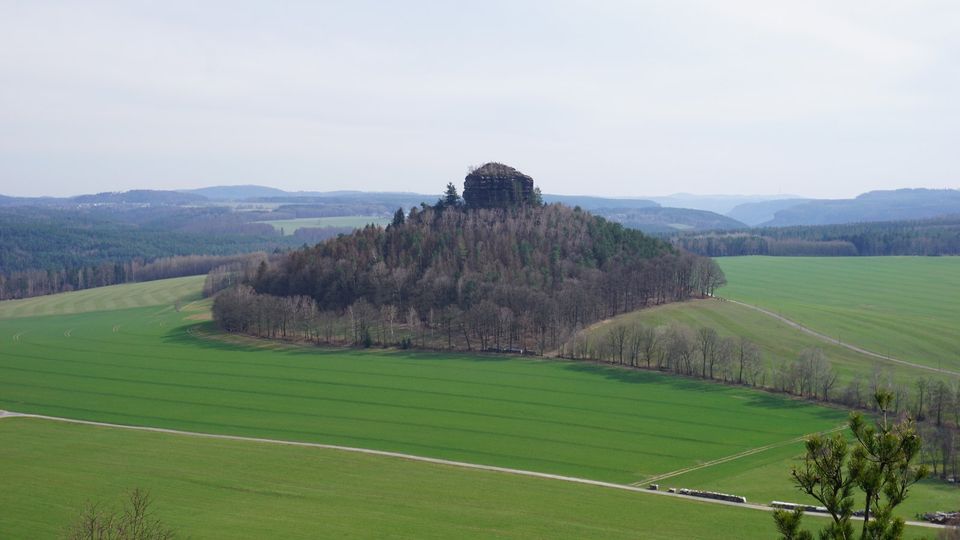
(151, 293)
(778, 341)
(226, 489)
(289, 226)
(908, 307)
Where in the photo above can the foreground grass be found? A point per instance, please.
(151, 293)
(908, 307)
(228, 489)
(289, 226)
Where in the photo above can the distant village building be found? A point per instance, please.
(495, 185)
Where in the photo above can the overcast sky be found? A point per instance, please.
(628, 98)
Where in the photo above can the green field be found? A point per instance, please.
(907, 307)
(151, 293)
(289, 226)
(777, 341)
(142, 366)
(225, 489)
(156, 366)
(767, 479)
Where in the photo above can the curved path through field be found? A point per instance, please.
(411, 457)
(732, 457)
(827, 339)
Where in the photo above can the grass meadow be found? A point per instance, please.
(155, 366)
(152, 293)
(768, 479)
(289, 226)
(765, 476)
(778, 341)
(907, 307)
(228, 489)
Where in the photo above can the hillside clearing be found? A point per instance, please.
(132, 295)
(289, 226)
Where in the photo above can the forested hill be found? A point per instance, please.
(46, 250)
(549, 269)
(659, 220)
(893, 205)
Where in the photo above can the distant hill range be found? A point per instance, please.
(674, 213)
(721, 204)
(254, 193)
(644, 214)
(661, 220)
(757, 213)
(141, 196)
(237, 193)
(28, 201)
(598, 203)
(895, 205)
(136, 197)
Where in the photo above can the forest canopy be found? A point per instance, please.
(939, 236)
(527, 276)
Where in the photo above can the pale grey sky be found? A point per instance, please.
(624, 98)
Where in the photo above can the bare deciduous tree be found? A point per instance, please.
(707, 339)
(748, 354)
(135, 522)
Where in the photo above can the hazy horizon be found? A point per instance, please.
(613, 99)
(677, 194)
(764, 196)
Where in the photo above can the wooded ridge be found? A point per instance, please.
(524, 277)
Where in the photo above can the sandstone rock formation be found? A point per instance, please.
(495, 185)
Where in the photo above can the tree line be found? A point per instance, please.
(939, 236)
(52, 250)
(30, 283)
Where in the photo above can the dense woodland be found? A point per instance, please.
(49, 250)
(30, 283)
(704, 353)
(939, 236)
(521, 278)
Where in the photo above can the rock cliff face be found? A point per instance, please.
(495, 185)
